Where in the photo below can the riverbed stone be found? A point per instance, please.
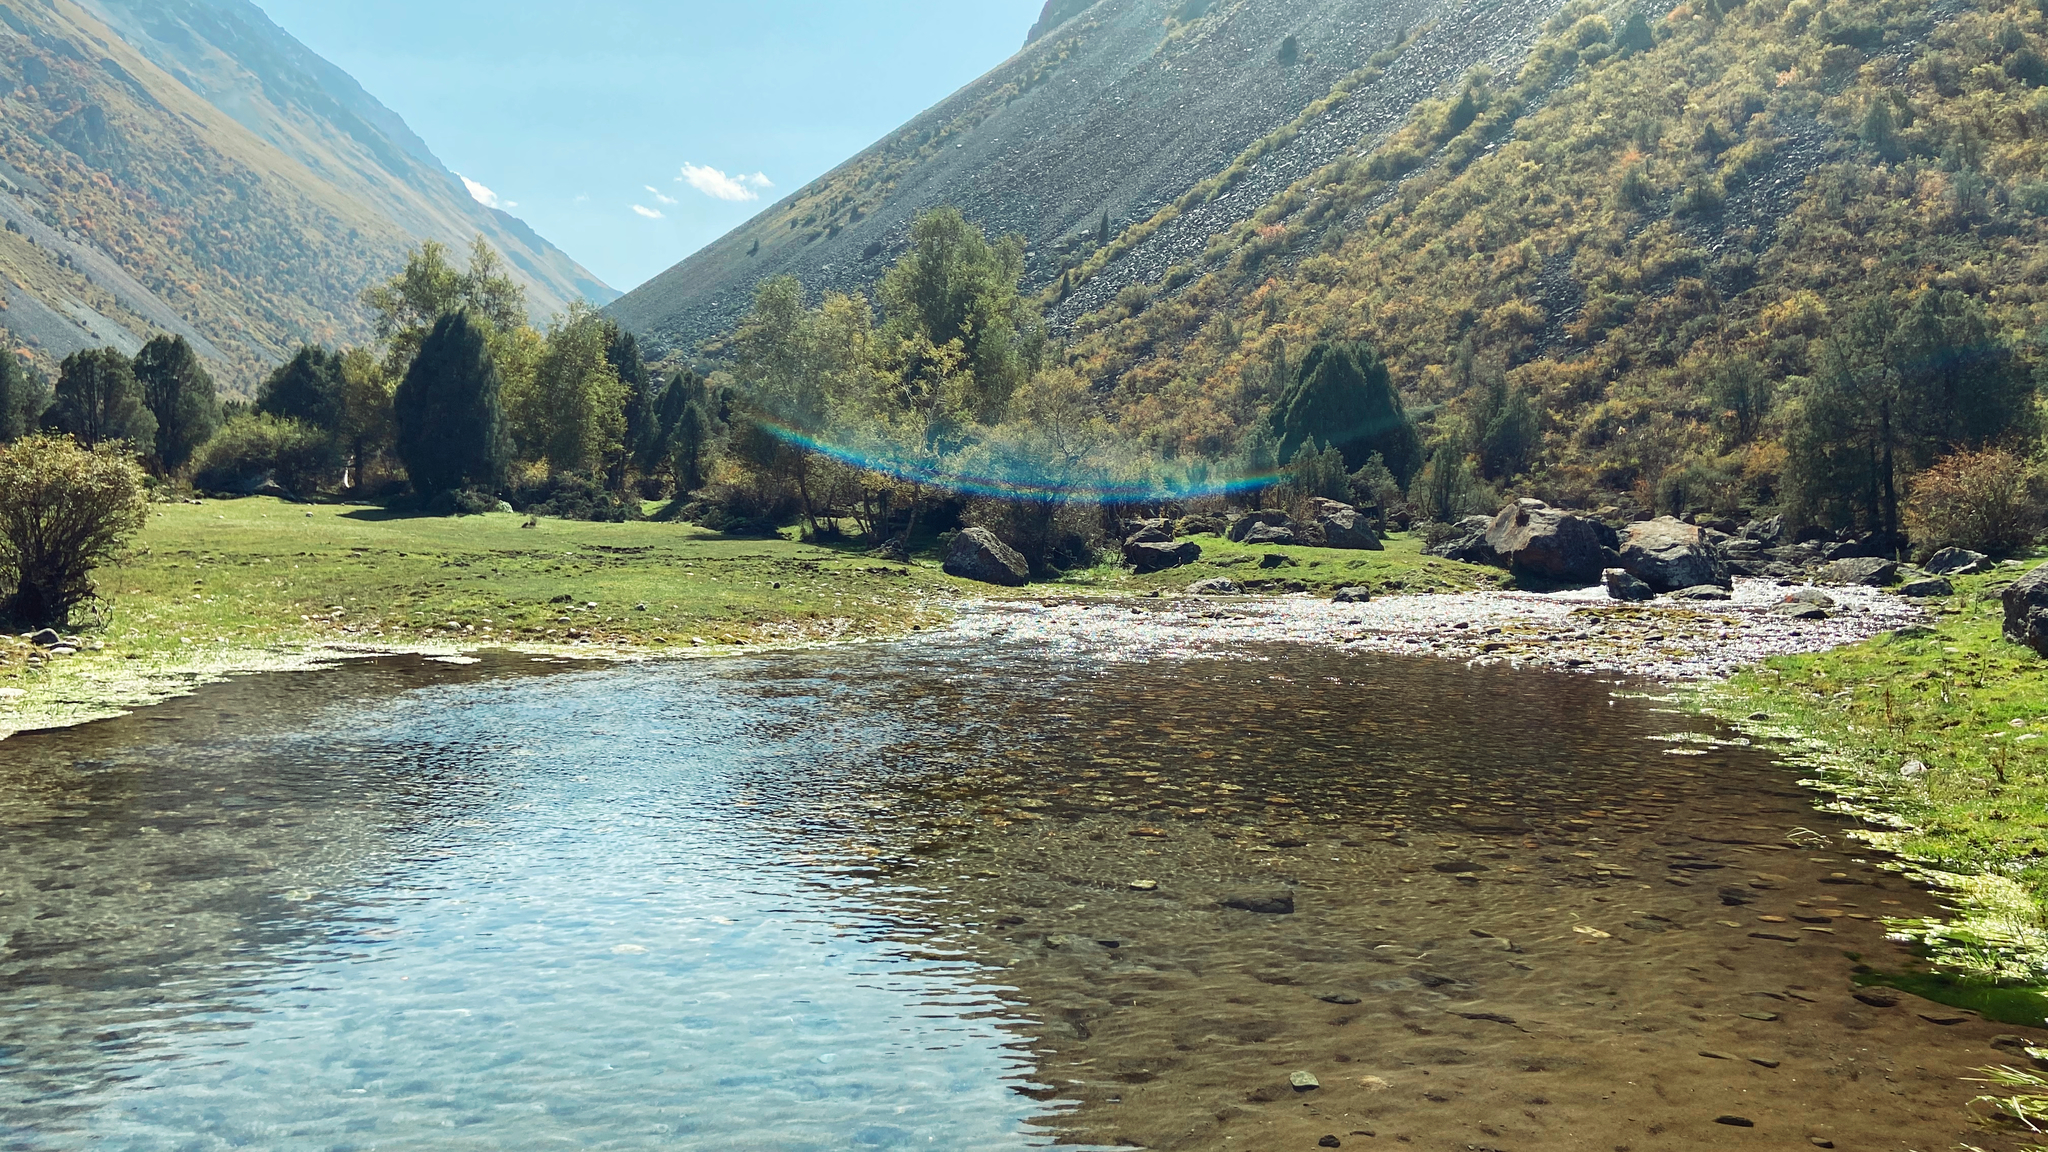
(1625, 587)
(1860, 571)
(1266, 903)
(1958, 562)
(1703, 592)
(1217, 586)
(1158, 556)
(1547, 544)
(1928, 588)
(2026, 610)
(1352, 596)
(978, 554)
(1668, 554)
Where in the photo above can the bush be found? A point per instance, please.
(64, 511)
(1988, 501)
(251, 449)
(575, 496)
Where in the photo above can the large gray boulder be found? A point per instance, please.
(1958, 562)
(977, 554)
(1346, 527)
(1547, 544)
(1266, 517)
(1862, 571)
(1626, 588)
(2026, 610)
(1669, 554)
(1155, 556)
(1269, 534)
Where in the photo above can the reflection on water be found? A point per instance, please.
(943, 894)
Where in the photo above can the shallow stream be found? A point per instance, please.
(972, 891)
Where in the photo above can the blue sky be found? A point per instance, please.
(633, 132)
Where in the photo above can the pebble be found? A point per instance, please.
(1820, 1142)
(1303, 1081)
(1763, 1061)
(1329, 1142)
(1338, 998)
(1943, 1019)
(1144, 885)
(1735, 1121)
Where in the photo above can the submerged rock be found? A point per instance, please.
(1669, 554)
(977, 554)
(2026, 610)
(1272, 904)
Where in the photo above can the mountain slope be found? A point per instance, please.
(1648, 241)
(184, 165)
(1121, 110)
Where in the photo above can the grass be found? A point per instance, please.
(258, 584)
(1318, 571)
(1938, 739)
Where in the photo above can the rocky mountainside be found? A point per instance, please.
(187, 166)
(1111, 113)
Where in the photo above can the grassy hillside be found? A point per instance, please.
(1609, 226)
(134, 205)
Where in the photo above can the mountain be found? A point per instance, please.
(187, 166)
(1116, 109)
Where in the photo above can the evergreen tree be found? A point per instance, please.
(1635, 35)
(181, 395)
(1880, 131)
(450, 430)
(100, 402)
(1510, 429)
(311, 387)
(1102, 231)
(23, 398)
(681, 435)
(622, 351)
(1343, 396)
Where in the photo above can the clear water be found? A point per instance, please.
(339, 911)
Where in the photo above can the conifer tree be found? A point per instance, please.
(181, 395)
(450, 428)
(311, 388)
(99, 401)
(1343, 396)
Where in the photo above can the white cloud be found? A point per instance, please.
(719, 186)
(485, 196)
(659, 196)
(650, 213)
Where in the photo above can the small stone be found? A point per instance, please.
(1338, 998)
(1735, 1121)
(1942, 1018)
(1303, 1081)
(1715, 1055)
(1329, 1142)
(1759, 1015)
(1595, 933)
(1877, 997)
(1145, 885)
(1763, 1062)
(1278, 904)
(1820, 1142)
(1779, 937)
(47, 638)
(63, 650)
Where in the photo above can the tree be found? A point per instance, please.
(366, 395)
(622, 352)
(64, 511)
(1343, 396)
(1510, 430)
(1635, 35)
(408, 305)
(1880, 131)
(954, 285)
(311, 387)
(100, 402)
(1741, 392)
(1891, 394)
(180, 393)
(23, 398)
(682, 433)
(572, 412)
(450, 430)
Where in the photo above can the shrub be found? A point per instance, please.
(64, 511)
(1989, 501)
(251, 449)
(574, 496)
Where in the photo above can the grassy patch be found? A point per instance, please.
(258, 583)
(1402, 568)
(1938, 739)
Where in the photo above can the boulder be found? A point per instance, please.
(1469, 546)
(1958, 562)
(1862, 548)
(1149, 534)
(1264, 517)
(1861, 571)
(1703, 592)
(1669, 554)
(1813, 596)
(1352, 596)
(1201, 525)
(47, 638)
(1346, 527)
(978, 555)
(1797, 610)
(1276, 560)
(1927, 588)
(1624, 587)
(1544, 543)
(1268, 534)
(1158, 557)
(2026, 610)
(1215, 587)
(1770, 533)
